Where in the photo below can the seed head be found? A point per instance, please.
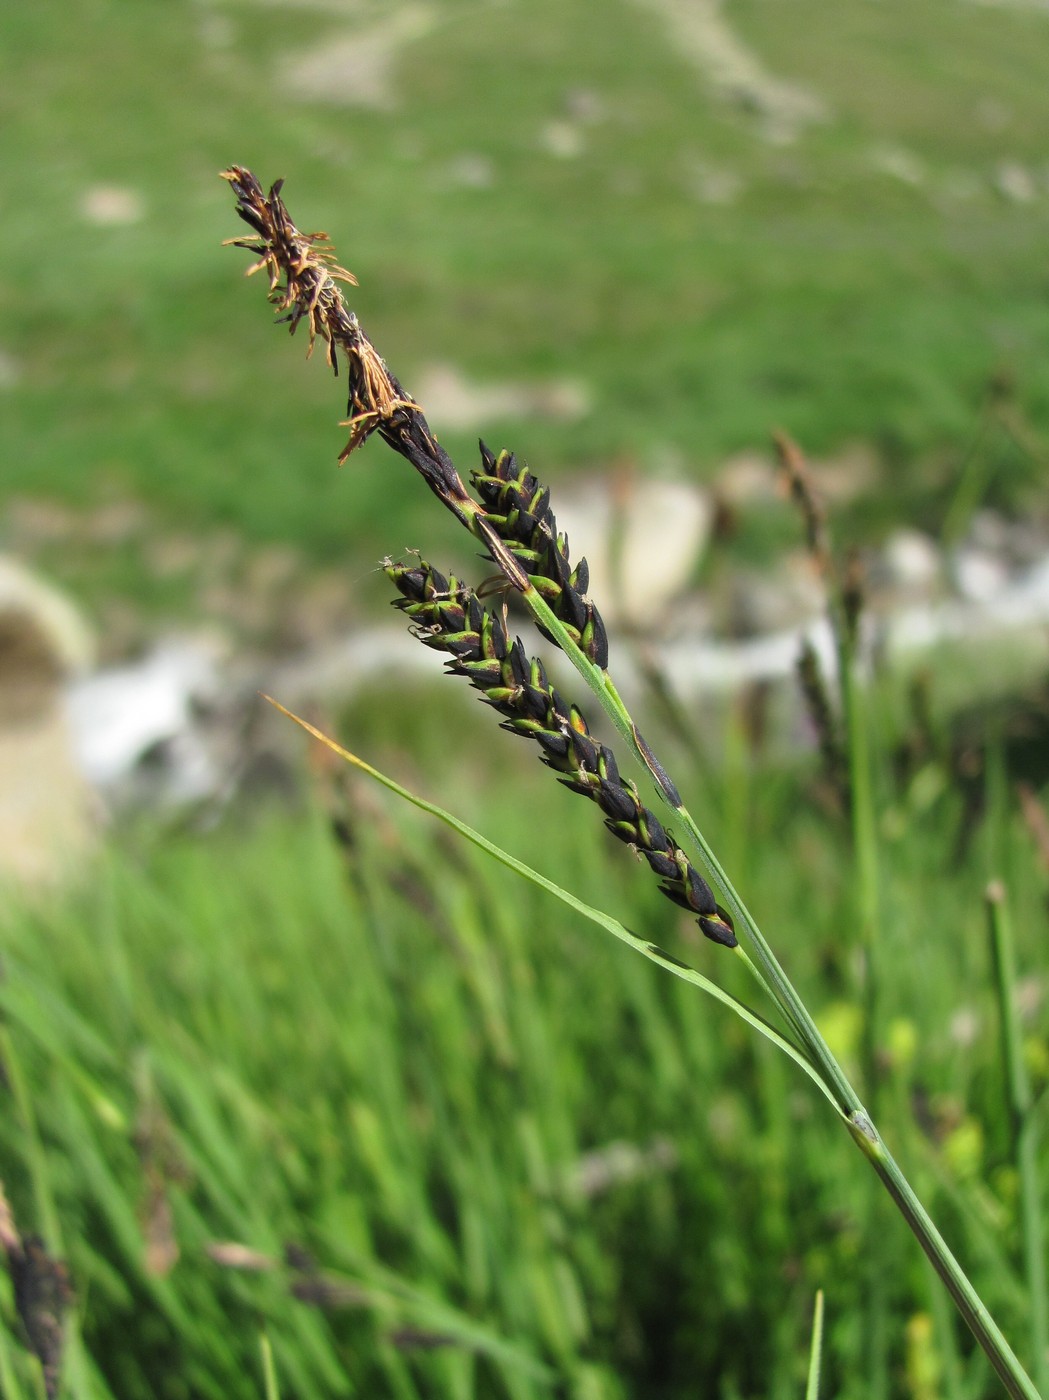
(449, 617)
(518, 509)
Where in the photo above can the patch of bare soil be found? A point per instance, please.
(357, 68)
(700, 33)
(457, 402)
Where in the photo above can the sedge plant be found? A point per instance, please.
(508, 512)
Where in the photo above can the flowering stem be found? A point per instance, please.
(303, 283)
(814, 1047)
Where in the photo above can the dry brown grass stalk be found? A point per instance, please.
(802, 491)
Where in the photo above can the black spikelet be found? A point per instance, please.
(448, 616)
(517, 507)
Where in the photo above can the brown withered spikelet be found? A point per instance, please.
(514, 521)
(449, 617)
(304, 278)
(803, 493)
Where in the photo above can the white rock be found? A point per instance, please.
(746, 478)
(911, 562)
(643, 539)
(358, 68)
(10, 370)
(451, 400)
(563, 139)
(712, 184)
(771, 601)
(120, 715)
(978, 575)
(900, 163)
(700, 33)
(471, 171)
(45, 808)
(63, 630)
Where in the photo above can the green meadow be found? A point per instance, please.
(557, 193)
(404, 1120)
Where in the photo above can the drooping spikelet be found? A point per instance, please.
(451, 618)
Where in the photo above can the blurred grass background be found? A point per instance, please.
(432, 1137)
(377, 1066)
(551, 193)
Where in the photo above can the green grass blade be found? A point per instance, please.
(765, 966)
(270, 1388)
(812, 1389)
(647, 950)
(1024, 1131)
(35, 1158)
(10, 1385)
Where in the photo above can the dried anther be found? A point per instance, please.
(304, 278)
(302, 270)
(304, 284)
(450, 618)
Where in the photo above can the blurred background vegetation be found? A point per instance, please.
(463, 1149)
(707, 220)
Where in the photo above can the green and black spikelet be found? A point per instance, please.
(517, 507)
(450, 617)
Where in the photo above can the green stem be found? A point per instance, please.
(775, 981)
(816, 1052)
(812, 1389)
(868, 909)
(1024, 1129)
(864, 844)
(943, 1323)
(983, 1327)
(270, 1388)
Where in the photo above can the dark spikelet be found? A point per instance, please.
(448, 616)
(848, 583)
(824, 722)
(718, 928)
(518, 508)
(514, 523)
(417, 1339)
(802, 491)
(853, 597)
(42, 1295)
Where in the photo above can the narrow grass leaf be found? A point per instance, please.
(812, 1389)
(270, 1388)
(647, 950)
